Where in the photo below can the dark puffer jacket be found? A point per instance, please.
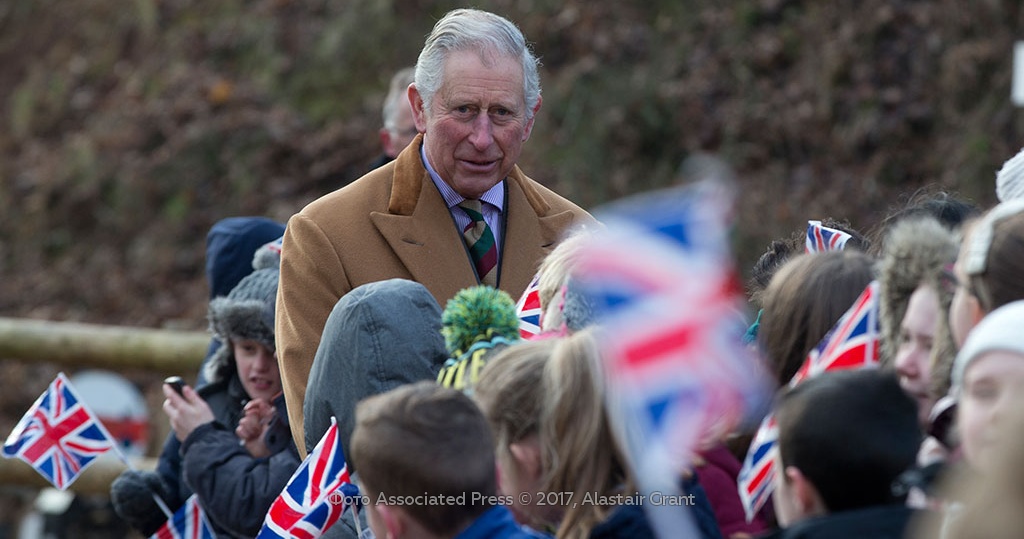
(234, 488)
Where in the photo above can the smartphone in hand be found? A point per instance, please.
(176, 383)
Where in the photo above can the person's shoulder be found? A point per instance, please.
(624, 521)
(539, 195)
(373, 186)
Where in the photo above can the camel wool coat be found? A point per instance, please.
(393, 223)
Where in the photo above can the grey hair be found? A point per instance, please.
(471, 29)
(396, 95)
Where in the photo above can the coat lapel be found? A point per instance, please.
(529, 235)
(420, 231)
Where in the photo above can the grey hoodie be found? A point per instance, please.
(379, 336)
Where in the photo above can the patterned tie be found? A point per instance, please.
(480, 241)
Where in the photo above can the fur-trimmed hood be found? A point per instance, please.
(247, 312)
(916, 251)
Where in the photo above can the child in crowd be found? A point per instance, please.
(378, 336)
(988, 269)
(844, 438)
(545, 401)
(914, 307)
(223, 447)
(990, 506)
(983, 496)
(231, 245)
(425, 457)
(803, 301)
(988, 380)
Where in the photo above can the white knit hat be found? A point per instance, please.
(1010, 178)
(1001, 329)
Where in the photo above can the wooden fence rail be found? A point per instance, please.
(110, 347)
(96, 479)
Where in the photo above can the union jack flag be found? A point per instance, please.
(315, 497)
(58, 436)
(853, 343)
(756, 479)
(661, 279)
(528, 310)
(822, 238)
(188, 522)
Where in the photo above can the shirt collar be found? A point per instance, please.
(494, 196)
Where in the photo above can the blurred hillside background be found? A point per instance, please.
(127, 128)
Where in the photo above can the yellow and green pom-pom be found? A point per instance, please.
(476, 314)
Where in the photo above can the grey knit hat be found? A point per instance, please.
(247, 312)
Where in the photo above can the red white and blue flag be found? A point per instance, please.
(756, 479)
(821, 238)
(660, 278)
(58, 436)
(315, 497)
(528, 310)
(853, 343)
(189, 522)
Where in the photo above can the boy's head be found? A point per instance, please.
(844, 437)
(243, 322)
(422, 441)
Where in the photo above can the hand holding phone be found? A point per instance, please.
(176, 383)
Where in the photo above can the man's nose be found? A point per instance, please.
(483, 132)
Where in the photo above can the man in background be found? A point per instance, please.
(398, 128)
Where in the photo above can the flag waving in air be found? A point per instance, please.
(660, 277)
(316, 495)
(853, 343)
(821, 238)
(58, 436)
(188, 523)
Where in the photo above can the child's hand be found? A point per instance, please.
(253, 425)
(186, 411)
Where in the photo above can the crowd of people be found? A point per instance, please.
(347, 312)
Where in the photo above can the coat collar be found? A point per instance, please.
(421, 232)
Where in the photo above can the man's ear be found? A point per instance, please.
(526, 453)
(529, 123)
(419, 111)
(393, 519)
(805, 494)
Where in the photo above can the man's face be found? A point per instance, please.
(477, 123)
